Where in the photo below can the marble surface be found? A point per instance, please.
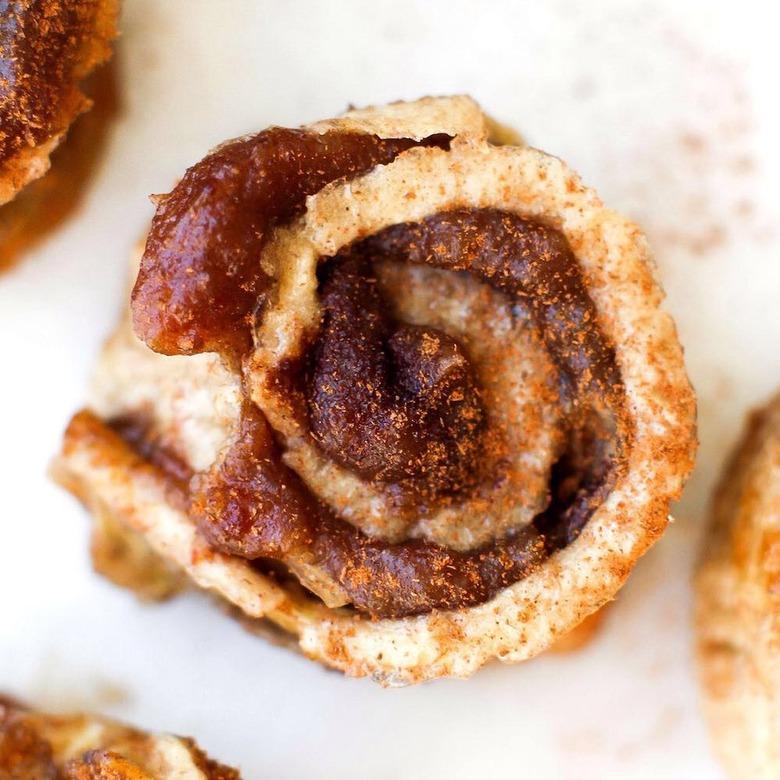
(669, 109)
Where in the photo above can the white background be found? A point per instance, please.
(668, 108)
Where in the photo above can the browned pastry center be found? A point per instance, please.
(397, 404)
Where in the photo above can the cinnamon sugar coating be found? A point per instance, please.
(456, 565)
(738, 604)
(46, 48)
(198, 285)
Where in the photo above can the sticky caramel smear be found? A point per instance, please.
(200, 281)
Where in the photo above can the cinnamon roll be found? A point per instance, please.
(47, 47)
(39, 746)
(46, 204)
(738, 604)
(400, 390)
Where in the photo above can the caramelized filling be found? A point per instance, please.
(200, 278)
(42, 43)
(47, 203)
(23, 752)
(392, 402)
(37, 746)
(395, 403)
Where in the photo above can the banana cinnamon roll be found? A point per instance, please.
(39, 746)
(738, 604)
(404, 392)
(47, 47)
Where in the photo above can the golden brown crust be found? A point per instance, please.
(48, 48)
(38, 746)
(523, 619)
(738, 604)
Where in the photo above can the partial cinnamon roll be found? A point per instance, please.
(47, 203)
(401, 391)
(738, 604)
(39, 746)
(47, 47)
(582, 635)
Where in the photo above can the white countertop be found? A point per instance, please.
(670, 112)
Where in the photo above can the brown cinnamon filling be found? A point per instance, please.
(392, 402)
(51, 200)
(41, 49)
(395, 403)
(138, 431)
